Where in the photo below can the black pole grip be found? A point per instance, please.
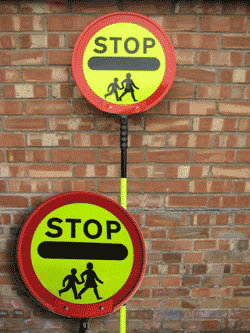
(84, 325)
(124, 145)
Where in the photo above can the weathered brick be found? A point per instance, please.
(195, 75)
(188, 233)
(69, 23)
(165, 186)
(47, 107)
(186, 201)
(101, 6)
(236, 42)
(195, 41)
(192, 108)
(170, 292)
(152, 7)
(223, 24)
(172, 156)
(17, 58)
(167, 124)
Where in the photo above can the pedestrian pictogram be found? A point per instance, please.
(124, 63)
(81, 254)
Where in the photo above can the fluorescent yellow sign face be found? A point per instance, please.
(124, 63)
(82, 253)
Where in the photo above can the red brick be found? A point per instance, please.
(237, 313)
(185, 233)
(171, 156)
(152, 7)
(244, 155)
(181, 91)
(242, 219)
(196, 41)
(214, 156)
(215, 124)
(12, 140)
(210, 186)
(13, 201)
(230, 303)
(28, 186)
(229, 201)
(57, 41)
(195, 75)
(219, 92)
(236, 42)
(163, 220)
(11, 107)
(198, 8)
(194, 257)
(47, 107)
(190, 108)
(190, 140)
(93, 7)
(60, 57)
(166, 186)
(50, 171)
(171, 281)
(10, 75)
(7, 8)
(69, 23)
(7, 42)
(225, 171)
(223, 24)
(211, 324)
(200, 219)
(58, 7)
(17, 58)
(69, 124)
(172, 257)
(232, 8)
(232, 281)
(25, 155)
(45, 75)
(178, 23)
(229, 141)
(187, 201)
(169, 245)
(62, 186)
(5, 219)
(166, 124)
(170, 292)
(205, 245)
(184, 57)
(75, 155)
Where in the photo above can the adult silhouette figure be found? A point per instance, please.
(129, 87)
(72, 280)
(90, 282)
(114, 86)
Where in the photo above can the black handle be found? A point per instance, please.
(84, 325)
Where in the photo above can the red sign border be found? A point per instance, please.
(56, 304)
(118, 17)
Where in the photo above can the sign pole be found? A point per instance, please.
(123, 193)
(84, 325)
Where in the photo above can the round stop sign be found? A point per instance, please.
(81, 254)
(124, 63)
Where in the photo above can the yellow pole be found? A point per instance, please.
(123, 202)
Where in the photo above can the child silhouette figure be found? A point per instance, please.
(129, 87)
(72, 280)
(90, 282)
(114, 86)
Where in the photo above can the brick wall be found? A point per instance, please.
(188, 161)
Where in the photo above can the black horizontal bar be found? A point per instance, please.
(89, 251)
(123, 64)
